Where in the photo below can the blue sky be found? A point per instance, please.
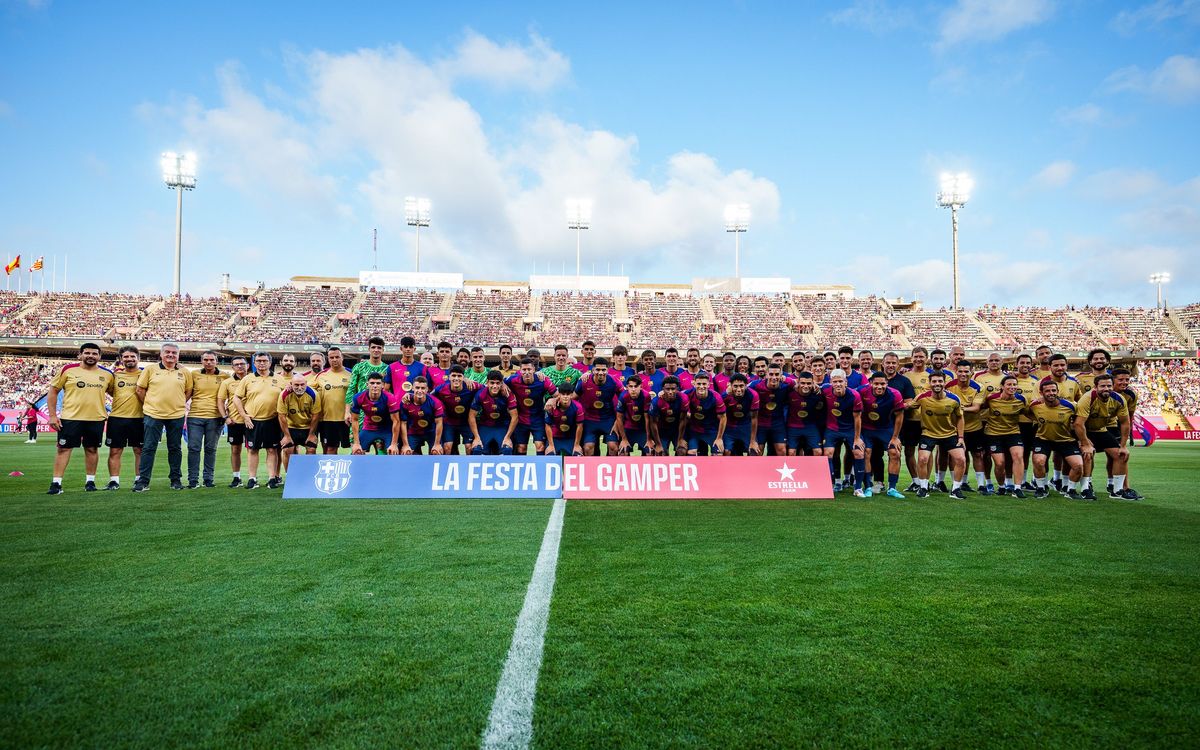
(1077, 121)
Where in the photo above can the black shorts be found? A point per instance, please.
(76, 432)
(236, 434)
(946, 443)
(1028, 433)
(1061, 448)
(334, 432)
(976, 441)
(124, 432)
(299, 436)
(265, 433)
(1104, 440)
(910, 432)
(1004, 443)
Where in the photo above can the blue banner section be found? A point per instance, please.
(423, 477)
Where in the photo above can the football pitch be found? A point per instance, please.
(220, 617)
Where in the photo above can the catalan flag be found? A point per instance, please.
(38, 264)
(13, 266)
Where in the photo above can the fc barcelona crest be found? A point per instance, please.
(333, 475)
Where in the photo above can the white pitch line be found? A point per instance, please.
(510, 724)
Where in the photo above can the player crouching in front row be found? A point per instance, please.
(492, 418)
(1055, 418)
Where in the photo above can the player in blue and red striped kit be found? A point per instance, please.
(806, 417)
(773, 393)
(493, 418)
(530, 389)
(633, 418)
(883, 417)
(597, 392)
(843, 425)
(741, 418)
(706, 418)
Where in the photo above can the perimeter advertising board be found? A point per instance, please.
(596, 478)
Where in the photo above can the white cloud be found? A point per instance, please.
(380, 124)
(259, 150)
(1055, 174)
(1177, 80)
(990, 20)
(538, 66)
(1156, 14)
(876, 16)
(1084, 114)
(1122, 185)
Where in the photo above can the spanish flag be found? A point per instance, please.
(13, 266)
(38, 264)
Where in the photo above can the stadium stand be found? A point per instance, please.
(24, 379)
(296, 316)
(1132, 328)
(189, 319)
(488, 318)
(942, 328)
(1189, 315)
(1030, 327)
(393, 313)
(571, 317)
(845, 321)
(664, 320)
(754, 321)
(80, 314)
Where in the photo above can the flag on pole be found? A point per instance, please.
(38, 264)
(13, 266)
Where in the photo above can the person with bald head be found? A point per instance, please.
(299, 411)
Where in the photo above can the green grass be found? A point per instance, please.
(227, 617)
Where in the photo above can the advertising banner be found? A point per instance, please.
(410, 279)
(448, 477)
(697, 478)
(1179, 434)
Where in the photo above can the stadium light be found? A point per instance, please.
(579, 218)
(956, 190)
(1159, 279)
(179, 172)
(737, 220)
(416, 214)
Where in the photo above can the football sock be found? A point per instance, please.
(892, 480)
(1119, 482)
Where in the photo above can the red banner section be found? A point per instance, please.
(1179, 434)
(703, 478)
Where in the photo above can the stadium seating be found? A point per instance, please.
(845, 321)
(755, 321)
(80, 314)
(942, 328)
(573, 317)
(189, 319)
(664, 320)
(24, 379)
(392, 314)
(1132, 328)
(1190, 317)
(289, 315)
(488, 318)
(1030, 327)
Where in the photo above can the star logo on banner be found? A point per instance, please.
(785, 472)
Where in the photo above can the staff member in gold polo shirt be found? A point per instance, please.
(256, 399)
(204, 420)
(232, 418)
(83, 385)
(125, 426)
(164, 390)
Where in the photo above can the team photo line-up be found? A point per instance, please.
(936, 411)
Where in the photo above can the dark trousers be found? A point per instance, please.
(206, 430)
(153, 434)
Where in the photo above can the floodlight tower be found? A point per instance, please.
(1159, 279)
(737, 220)
(579, 218)
(179, 172)
(956, 190)
(416, 214)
